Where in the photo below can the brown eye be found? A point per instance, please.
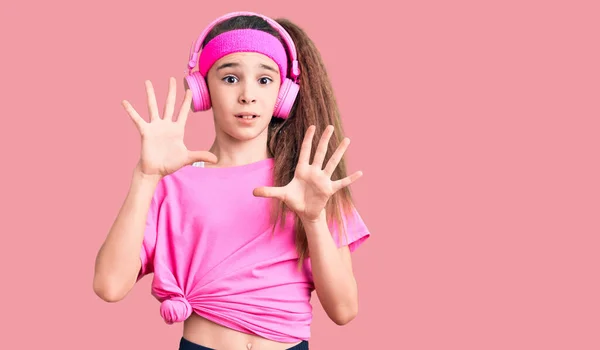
(230, 79)
(265, 80)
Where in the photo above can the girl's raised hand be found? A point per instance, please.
(163, 149)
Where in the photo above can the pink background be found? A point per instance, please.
(475, 124)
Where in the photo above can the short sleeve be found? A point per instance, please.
(150, 234)
(356, 233)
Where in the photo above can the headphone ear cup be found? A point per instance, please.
(286, 98)
(200, 95)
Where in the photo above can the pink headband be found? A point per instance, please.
(243, 40)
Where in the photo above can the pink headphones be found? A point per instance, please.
(287, 92)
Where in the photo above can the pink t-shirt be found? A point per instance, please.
(208, 243)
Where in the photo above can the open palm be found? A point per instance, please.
(310, 189)
(163, 148)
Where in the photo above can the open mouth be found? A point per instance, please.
(247, 116)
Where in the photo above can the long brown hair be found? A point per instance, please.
(315, 105)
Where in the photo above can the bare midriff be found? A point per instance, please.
(204, 332)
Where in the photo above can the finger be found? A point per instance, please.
(201, 156)
(322, 147)
(133, 114)
(347, 181)
(170, 103)
(185, 107)
(152, 105)
(269, 192)
(305, 149)
(334, 161)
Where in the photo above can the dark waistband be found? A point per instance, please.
(185, 344)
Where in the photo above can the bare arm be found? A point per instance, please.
(118, 260)
(163, 152)
(332, 273)
(307, 195)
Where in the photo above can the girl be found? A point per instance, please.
(239, 236)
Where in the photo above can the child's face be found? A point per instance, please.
(243, 83)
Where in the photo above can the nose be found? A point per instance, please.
(247, 95)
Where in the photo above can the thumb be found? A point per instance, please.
(201, 156)
(269, 192)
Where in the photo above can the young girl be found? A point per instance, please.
(239, 236)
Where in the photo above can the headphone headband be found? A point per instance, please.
(195, 49)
